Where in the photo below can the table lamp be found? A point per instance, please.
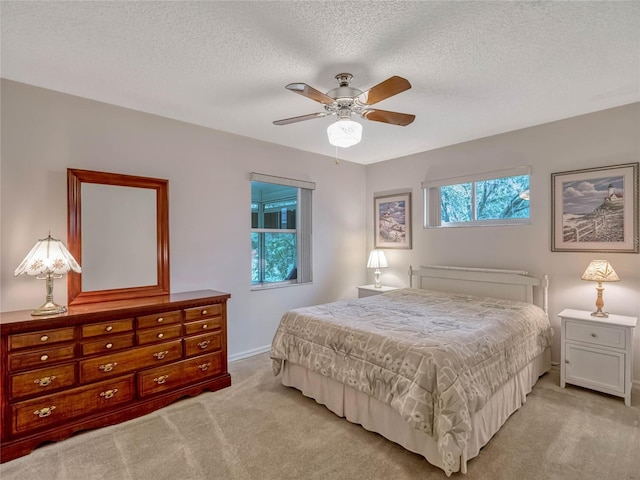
(48, 259)
(600, 271)
(377, 260)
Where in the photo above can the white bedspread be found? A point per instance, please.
(433, 357)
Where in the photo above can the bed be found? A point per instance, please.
(438, 372)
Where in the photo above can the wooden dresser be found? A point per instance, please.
(104, 363)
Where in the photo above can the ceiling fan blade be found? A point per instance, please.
(390, 87)
(301, 118)
(310, 92)
(384, 116)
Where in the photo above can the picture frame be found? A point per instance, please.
(392, 221)
(595, 210)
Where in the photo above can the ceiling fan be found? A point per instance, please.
(345, 100)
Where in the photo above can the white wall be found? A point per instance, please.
(609, 137)
(44, 133)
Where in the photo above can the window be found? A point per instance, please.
(494, 198)
(280, 231)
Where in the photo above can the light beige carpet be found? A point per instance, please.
(259, 430)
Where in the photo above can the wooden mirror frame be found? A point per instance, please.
(75, 179)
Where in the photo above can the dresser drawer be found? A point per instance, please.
(610, 336)
(77, 402)
(202, 312)
(106, 328)
(164, 318)
(202, 326)
(177, 374)
(107, 344)
(43, 380)
(36, 339)
(200, 344)
(161, 334)
(106, 366)
(47, 356)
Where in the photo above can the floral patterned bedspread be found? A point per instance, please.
(433, 357)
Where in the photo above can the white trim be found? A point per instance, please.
(485, 275)
(290, 182)
(474, 269)
(249, 353)
(478, 177)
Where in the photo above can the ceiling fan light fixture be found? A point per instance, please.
(344, 133)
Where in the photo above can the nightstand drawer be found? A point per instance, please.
(604, 335)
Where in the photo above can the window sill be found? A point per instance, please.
(270, 286)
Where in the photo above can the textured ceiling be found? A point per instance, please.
(477, 68)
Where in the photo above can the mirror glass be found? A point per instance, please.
(120, 221)
(118, 232)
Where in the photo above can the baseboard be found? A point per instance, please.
(249, 353)
(635, 385)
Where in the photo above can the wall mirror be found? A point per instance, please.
(118, 230)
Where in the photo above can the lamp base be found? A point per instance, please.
(599, 313)
(48, 308)
(376, 278)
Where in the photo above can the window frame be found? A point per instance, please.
(432, 199)
(302, 230)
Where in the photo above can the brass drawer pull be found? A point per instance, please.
(44, 381)
(108, 345)
(44, 338)
(204, 344)
(45, 412)
(44, 357)
(108, 328)
(203, 312)
(161, 379)
(159, 319)
(204, 366)
(108, 367)
(205, 326)
(160, 335)
(160, 355)
(109, 393)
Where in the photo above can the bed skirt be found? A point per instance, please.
(378, 417)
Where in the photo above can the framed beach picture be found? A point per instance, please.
(595, 210)
(392, 221)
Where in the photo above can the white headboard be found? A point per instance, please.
(507, 284)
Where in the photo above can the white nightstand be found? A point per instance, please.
(369, 290)
(597, 353)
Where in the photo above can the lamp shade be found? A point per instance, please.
(600, 271)
(344, 133)
(377, 259)
(47, 256)
(48, 259)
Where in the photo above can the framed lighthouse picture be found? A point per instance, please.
(595, 210)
